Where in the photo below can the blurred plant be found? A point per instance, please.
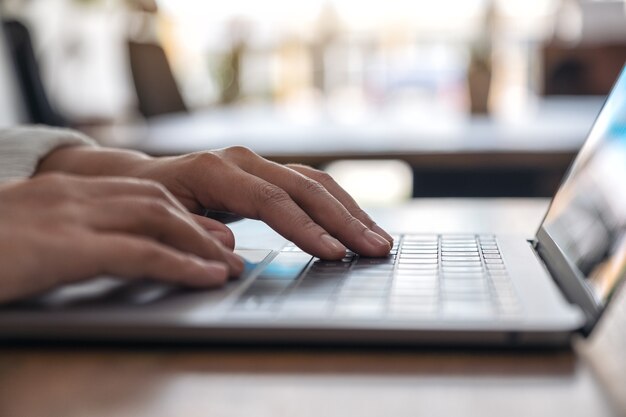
(479, 73)
(148, 6)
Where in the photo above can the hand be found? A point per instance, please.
(303, 204)
(57, 229)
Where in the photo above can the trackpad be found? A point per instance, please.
(115, 291)
(253, 255)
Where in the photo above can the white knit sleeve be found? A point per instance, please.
(21, 148)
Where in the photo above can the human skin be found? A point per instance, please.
(304, 205)
(58, 228)
(94, 211)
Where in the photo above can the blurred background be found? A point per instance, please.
(396, 98)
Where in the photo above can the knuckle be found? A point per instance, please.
(158, 190)
(205, 159)
(51, 177)
(312, 186)
(359, 213)
(306, 224)
(57, 186)
(352, 222)
(239, 151)
(156, 208)
(323, 177)
(155, 187)
(148, 252)
(270, 194)
(300, 167)
(303, 226)
(55, 179)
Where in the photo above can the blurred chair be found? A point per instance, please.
(581, 69)
(157, 91)
(20, 46)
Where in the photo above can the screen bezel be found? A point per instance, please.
(567, 275)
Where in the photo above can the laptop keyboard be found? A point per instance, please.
(424, 277)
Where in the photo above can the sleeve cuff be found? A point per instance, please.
(21, 148)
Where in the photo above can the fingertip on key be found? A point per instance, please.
(236, 264)
(338, 250)
(378, 244)
(379, 230)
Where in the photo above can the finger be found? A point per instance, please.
(96, 187)
(217, 229)
(327, 211)
(156, 219)
(111, 186)
(342, 196)
(322, 207)
(135, 257)
(257, 199)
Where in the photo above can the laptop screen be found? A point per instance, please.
(587, 218)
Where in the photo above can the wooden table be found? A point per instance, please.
(158, 381)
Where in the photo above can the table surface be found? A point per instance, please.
(199, 381)
(548, 133)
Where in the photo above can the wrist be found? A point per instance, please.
(85, 160)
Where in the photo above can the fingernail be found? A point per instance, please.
(376, 240)
(236, 263)
(333, 243)
(216, 269)
(376, 228)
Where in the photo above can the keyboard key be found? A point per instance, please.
(461, 268)
(462, 276)
(405, 269)
(374, 261)
(362, 293)
(310, 290)
(456, 276)
(415, 286)
(420, 238)
(411, 252)
(448, 249)
(468, 259)
(494, 261)
(427, 261)
(373, 266)
(371, 286)
(448, 286)
(458, 246)
(453, 254)
(419, 256)
(428, 284)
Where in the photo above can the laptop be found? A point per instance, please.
(445, 289)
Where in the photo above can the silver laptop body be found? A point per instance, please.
(470, 289)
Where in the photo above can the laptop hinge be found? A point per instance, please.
(567, 278)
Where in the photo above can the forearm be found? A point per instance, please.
(84, 160)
